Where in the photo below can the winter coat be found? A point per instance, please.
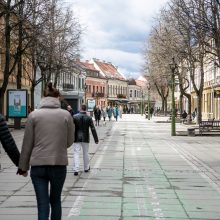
(8, 142)
(104, 113)
(110, 111)
(97, 114)
(49, 131)
(83, 122)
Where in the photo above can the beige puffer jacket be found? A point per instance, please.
(49, 131)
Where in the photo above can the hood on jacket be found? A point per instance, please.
(50, 102)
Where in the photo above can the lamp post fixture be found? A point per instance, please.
(173, 67)
(148, 102)
(85, 90)
(142, 102)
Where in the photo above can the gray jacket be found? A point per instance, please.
(49, 131)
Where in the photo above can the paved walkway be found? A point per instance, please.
(138, 171)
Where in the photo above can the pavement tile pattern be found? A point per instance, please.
(138, 172)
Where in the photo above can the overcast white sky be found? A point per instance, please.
(116, 30)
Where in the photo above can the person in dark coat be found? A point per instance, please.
(97, 114)
(184, 115)
(82, 124)
(8, 142)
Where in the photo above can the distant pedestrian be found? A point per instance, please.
(8, 142)
(184, 115)
(116, 113)
(97, 114)
(70, 110)
(109, 112)
(82, 138)
(48, 133)
(151, 111)
(120, 111)
(29, 109)
(104, 113)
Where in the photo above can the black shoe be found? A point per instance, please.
(75, 173)
(87, 170)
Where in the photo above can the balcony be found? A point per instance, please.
(98, 94)
(68, 86)
(121, 96)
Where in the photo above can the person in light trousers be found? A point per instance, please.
(82, 124)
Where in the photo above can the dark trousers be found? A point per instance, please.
(42, 177)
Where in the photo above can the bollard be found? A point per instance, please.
(191, 132)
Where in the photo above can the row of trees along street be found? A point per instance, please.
(189, 32)
(42, 32)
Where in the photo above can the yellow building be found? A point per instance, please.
(26, 66)
(211, 96)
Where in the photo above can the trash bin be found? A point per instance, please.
(191, 132)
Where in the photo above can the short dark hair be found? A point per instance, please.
(83, 107)
(51, 91)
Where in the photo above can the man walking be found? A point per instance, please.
(82, 124)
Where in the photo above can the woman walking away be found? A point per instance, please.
(109, 112)
(104, 113)
(48, 133)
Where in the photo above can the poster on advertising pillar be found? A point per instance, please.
(17, 103)
(90, 105)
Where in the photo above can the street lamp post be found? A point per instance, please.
(148, 102)
(85, 89)
(173, 119)
(141, 103)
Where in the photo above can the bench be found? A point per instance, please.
(209, 126)
(179, 118)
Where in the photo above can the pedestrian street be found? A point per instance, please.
(138, 171)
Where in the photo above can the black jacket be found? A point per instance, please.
(8, 142)
(82, 123)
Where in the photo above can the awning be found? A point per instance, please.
(118, 100)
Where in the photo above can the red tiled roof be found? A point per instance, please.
(109, 70)
(88, 66)
(140, 83)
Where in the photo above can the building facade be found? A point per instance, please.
(117, 85)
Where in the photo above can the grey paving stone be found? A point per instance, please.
(138, 171)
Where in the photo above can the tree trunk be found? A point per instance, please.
(17, 121)
(181, 103)
(32, 97)
(165, 106)
(189, 118)
(7, 56)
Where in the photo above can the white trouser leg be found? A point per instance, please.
(85, 147)
(76, 152)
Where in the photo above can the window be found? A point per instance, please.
(130, 93)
